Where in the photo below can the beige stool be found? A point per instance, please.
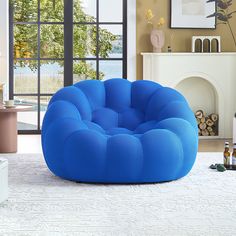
(8, 128)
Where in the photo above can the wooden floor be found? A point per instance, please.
(213, 145)
(32, 144)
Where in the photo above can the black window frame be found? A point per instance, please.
(69, 58)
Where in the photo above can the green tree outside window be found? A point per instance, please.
(52, 36)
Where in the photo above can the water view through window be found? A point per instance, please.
(42, 61)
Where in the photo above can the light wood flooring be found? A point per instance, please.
(213, 145)
(32, 144)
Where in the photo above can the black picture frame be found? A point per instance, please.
(185, 14)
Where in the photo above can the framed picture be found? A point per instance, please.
(193, 14)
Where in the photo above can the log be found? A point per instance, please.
(212, 134)
(209, 122)
(203, 119)
(202, 126)
(214, 117)
(209, 129)
(199, 114)
(205, 133)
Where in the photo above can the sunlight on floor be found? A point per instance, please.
(29, 144)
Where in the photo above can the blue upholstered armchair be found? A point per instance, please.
(119, 132)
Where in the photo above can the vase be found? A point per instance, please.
(157, 40)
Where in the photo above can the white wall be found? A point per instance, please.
(4, 41)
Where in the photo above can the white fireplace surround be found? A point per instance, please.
(207, 80)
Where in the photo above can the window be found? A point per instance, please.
(55, 43)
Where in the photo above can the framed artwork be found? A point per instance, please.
(192, 14)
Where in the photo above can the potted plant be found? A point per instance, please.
(223, 14)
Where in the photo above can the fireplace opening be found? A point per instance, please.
(203, 100)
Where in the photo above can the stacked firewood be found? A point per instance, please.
(207, 125)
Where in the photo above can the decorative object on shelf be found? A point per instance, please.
(3, 180)
(207, 125)
(192, 14)
(157, 40)
(223, 14)
(9, 103)
(170, 43)
(206, 44)
(157, 35)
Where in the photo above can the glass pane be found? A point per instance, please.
(115, 12)
(27, 120)
(110, 70)
(83, 70)
(52, 11)
(84, 41)
(26, 77)
(110, 41)
(52, 41)
(51, 76)
(85, 10)
(44, 100)
(25, 41)
(25, 11)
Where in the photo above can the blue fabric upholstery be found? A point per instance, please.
(119, 132)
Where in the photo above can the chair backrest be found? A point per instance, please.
(118, 102)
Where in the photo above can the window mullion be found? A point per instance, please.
(97, 39)
(39, 64)
(125, 12)
(11, 51)
(68, 42)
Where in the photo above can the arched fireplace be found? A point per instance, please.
(207, 80)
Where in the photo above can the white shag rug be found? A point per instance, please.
(202, 203)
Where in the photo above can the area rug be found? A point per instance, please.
(203, 203)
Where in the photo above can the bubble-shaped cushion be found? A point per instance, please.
(119, 132)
